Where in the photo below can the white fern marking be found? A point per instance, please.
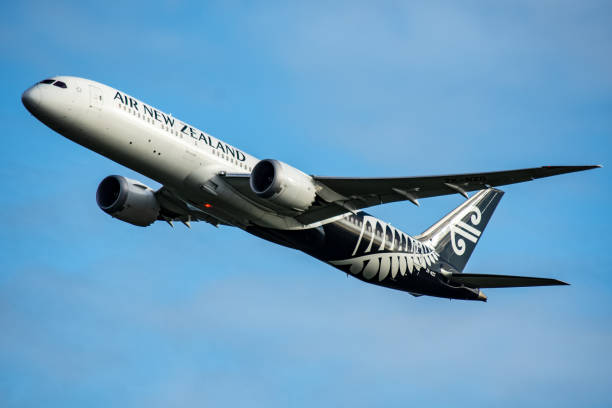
(374, 224)
(410, 263)
(387, 263)
(375, 262)
(402, 265)
(394, 266)
(371, 268)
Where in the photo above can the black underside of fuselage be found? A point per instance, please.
(338, 241)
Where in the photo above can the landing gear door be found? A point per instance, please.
(95, 98)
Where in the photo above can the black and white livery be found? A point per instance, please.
(206, 179)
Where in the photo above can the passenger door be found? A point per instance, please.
(96, 100)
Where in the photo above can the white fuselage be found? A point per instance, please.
(183, 158)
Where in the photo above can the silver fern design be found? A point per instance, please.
(466, 231)
(393, 252)
(388, 263)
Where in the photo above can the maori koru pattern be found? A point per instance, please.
(466, 231)
(396, 254)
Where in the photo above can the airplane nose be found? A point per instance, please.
(31, 98)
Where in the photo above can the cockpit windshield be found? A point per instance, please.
(59, 84)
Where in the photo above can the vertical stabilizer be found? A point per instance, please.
(455, 236)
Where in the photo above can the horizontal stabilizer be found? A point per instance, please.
(476, 280)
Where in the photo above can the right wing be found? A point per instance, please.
(356, 193)
(339, 195)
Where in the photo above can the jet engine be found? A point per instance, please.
(283, 185)
(128, 200)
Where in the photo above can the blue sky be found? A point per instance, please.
(97, 312)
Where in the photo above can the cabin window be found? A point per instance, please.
(60, 84)
(47, 81)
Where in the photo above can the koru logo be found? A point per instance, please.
(466, 231)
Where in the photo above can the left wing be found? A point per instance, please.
(173, 208)
(338, 195)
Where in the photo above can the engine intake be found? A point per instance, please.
(283, 185)
(128, 200)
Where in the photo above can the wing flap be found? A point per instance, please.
(502, 281)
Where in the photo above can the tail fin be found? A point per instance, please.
(455, 236)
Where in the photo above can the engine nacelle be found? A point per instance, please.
(128, 200)
(283, 185)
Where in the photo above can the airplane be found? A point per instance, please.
(206, 179)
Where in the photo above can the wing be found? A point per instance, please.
(338, 195)
(173, 208)
(475, 280)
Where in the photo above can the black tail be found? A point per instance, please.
(455, 236)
